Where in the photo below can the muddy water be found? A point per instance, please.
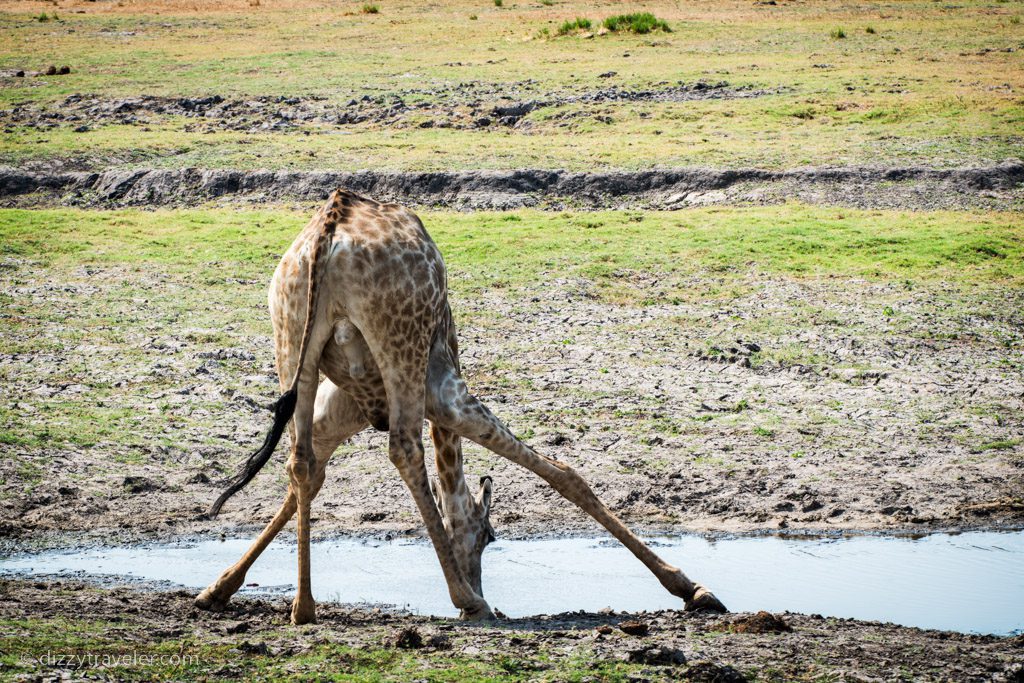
(970, 582)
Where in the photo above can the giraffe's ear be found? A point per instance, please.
(484, 500)
(484, 496)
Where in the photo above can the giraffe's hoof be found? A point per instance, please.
(303, 612)
(479, 612)
(704, 600)
(210, 600)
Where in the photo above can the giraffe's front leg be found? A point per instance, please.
(464, 414)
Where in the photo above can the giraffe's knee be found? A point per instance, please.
(300, 471)
(571, 482)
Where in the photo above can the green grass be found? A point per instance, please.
(488, 248)
(125, 651)
(999, 445)
(574, 26)
(640, 23)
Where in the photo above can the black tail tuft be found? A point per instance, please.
(283, 410)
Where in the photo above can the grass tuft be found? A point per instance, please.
(838, 33)
(574, 26)
(370, 9)
(641, 22)
(999, 445)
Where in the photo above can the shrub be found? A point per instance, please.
(869, 29)
(643, 22)
(838, 33)
(498, 3)
(370, 9)
(472, 17)
(547, 3)
(577, 24)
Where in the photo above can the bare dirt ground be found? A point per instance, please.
(460, 106)
(760, 404)
(252, 640)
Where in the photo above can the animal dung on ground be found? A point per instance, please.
(406, 639)
(762, 622)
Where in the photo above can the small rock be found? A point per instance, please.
(556, 439)
(658, 655)
(709, 672)
(139, 484)
(254, 648)
(240, 627)
(605, 629)
(812, 506)
(373, 516)
(634, 628)
(608, 74)
(439, 641)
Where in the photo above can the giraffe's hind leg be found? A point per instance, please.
(453, 405)
(336, 418)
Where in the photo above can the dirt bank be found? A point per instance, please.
(253, 639)
(999, 187)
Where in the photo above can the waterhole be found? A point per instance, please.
(971, 582)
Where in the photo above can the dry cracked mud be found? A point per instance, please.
(760, 403)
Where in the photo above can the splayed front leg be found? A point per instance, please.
(453, 406)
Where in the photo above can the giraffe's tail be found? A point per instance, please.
(284, 408)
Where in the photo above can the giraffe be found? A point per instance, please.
(361, 296)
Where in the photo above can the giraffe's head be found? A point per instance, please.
(467, 521)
